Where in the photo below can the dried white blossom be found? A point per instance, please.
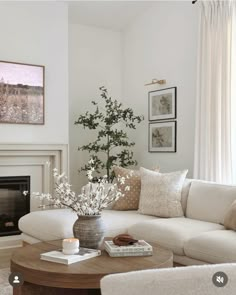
(122, 180)
(92, 200)
(91, 161)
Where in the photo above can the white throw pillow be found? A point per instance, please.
(161, 193)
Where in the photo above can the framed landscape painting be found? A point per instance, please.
(162, 137)
(21, 93)
(162, 104)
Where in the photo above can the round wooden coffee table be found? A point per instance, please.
(42, 277)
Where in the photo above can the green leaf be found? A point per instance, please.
(109, 119)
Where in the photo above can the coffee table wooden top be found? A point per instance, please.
(84, 274)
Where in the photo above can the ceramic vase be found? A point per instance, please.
(89, 229)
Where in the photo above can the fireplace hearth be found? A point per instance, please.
(13, 203)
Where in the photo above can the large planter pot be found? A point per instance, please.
(89, 229)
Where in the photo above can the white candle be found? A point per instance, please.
(70, 246)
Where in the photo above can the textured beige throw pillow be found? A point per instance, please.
(230, 217)
(130, 200)
(161, 193)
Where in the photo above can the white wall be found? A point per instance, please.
(162, 44)
(95, 59)
(37, 33)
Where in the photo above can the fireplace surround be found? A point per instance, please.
(32, 159)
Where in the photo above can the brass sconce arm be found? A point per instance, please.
(155, 81)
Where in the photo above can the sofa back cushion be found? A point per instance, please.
(230, 217)
(184, 194)
(209, 201)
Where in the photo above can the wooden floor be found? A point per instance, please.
(5, 256)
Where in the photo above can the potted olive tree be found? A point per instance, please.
(110, 119)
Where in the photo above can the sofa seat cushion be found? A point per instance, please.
(55, 224)
(28, 239)
(214, 247)
(171, 233)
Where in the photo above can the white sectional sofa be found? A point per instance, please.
(199, 237)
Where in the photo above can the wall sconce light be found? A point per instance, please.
(155, 81)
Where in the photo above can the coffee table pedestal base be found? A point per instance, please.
(29, 289)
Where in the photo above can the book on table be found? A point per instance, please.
(59, 257)
(140, 248)
(128, 254)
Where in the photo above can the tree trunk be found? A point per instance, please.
(108, 156)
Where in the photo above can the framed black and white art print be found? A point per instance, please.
(162, 137)
(162, 104)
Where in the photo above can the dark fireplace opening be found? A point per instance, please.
(13, 203)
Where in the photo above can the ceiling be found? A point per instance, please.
(113, 15)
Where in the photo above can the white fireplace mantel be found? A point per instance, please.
(32, 160)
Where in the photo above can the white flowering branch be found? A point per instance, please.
(93, 198)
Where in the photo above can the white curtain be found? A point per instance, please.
(213, 138)
(233, 95)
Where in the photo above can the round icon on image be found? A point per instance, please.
(220, 279)
(16, 279)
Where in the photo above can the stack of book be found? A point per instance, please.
(141, 248)
(59, 257)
